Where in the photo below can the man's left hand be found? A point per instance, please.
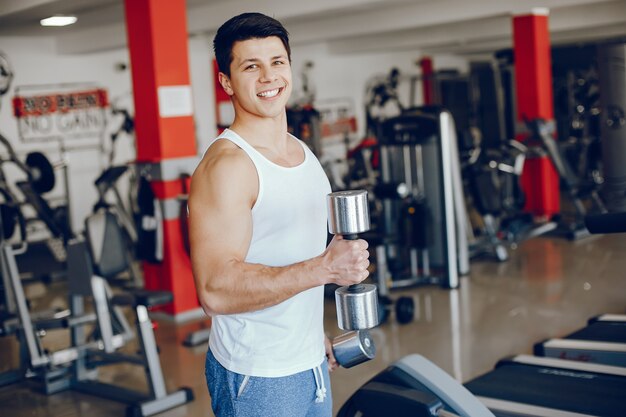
(332, 362)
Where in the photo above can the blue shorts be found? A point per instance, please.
(298, 395)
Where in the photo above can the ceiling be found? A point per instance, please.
(345, 26)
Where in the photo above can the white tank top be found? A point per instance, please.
(289, 225)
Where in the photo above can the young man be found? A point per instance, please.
(258, 228)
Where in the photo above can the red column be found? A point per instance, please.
(533, 85)
(428, 88)
(165, 139)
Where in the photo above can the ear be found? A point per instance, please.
(225, 82)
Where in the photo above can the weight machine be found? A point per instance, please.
(76, 367)
(419, 149)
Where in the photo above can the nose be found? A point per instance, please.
(268, 74)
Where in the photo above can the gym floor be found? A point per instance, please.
(548, 288)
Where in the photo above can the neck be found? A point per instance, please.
(262, 131)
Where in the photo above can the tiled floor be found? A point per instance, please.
(549, 287)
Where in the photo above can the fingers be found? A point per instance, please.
(332, 361)
(347, 261)
(330, 355)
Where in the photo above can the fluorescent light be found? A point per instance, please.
(58, 21)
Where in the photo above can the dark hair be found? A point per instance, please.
(243, 27)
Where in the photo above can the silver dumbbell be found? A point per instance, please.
(357, 305)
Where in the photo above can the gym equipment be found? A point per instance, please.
(520, 386)
(10, 219)
(353, 348)
(575, 189)
(40, 178)
(611, 61)
(606, 223)
(532, 386)
(419, 149)
(413, 387)
(405, 310)
(602, 341)
(149, 223)
(6, 74)
(41, 172)
(106, 184)
(75, 367)
(357, 305)
(110, 198)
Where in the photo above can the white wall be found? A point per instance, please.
(35, 61)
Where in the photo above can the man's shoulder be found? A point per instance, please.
(224, 156)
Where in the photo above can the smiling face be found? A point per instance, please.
(260, 78)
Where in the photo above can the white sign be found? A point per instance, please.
(175, 101)
(63, 115)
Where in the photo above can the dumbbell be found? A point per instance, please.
(357, 305)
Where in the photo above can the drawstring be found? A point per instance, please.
(320, 388)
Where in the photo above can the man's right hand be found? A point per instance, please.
(346, 261)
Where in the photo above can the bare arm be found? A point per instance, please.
(223, 191)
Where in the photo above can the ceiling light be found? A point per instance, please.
(58, 21)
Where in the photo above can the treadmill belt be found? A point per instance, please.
(602, 331)
(574, 391)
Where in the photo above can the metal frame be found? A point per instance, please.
(449, 187)
(51, 368)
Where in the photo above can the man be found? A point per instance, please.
(258, 221)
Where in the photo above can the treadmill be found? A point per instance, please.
(602, 341)
(532, 386)
(520, 386)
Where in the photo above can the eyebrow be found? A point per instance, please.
(255, 60)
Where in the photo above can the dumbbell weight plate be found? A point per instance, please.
(357, 307)
(43, 178)
(353, 348)
(405, 310)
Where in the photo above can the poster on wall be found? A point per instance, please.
(59, 113)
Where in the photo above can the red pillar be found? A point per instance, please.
(533, 85)
(428, 87)
(165, 138)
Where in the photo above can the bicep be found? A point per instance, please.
(220, 218)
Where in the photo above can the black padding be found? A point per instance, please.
(149, 225)
(414, 396)
(388, 190)
(9, 220)
(486, 190)
(602, 331)
(377, 399)
(567, 390)
(409, 129)
(606, 223)
(110, 176)
(415, 229)
(146, 298)
(79, 268)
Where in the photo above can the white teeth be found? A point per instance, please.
(271, 93)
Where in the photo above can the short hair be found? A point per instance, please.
(241, 28)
